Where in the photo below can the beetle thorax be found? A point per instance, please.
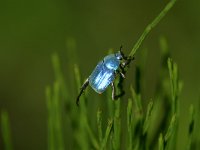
(111, 62)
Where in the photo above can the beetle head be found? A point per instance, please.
(118, 55)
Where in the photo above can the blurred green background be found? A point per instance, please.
(31, 31)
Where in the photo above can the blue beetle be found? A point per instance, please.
(105, 72)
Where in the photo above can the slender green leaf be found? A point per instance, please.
(51, 135)
(151, 26)
(108, 131)
(171, 130)
(191, 127)
(99, 124)
(148, 117)
(160, 144)
(130, 123)
(6, 133)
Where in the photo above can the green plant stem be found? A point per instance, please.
(148, 117)
(117, 126)
(99, 125)
(138, 104)
(130, 123)
(51, 135)
(170, 131)
(160, 142)
(191, 127)
(55, 134)
(108, 130)
(56, 101)
(151, 26)
(91, 135)
(6, 131)
(59, 76)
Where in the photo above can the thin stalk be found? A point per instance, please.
(6, 134)
(160, 142)
(108, 130)
(59, 76)
(130, 124)
(138, 121)
(117, 126)
(99, 125)
(197, 125)
(191, 127)
(170, 131)
(55, 130)
(92, 135)
(137, 99)
(57, 116)
(151, 26)
(148, 117)
(51, 136)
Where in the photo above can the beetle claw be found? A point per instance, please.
(122, 75)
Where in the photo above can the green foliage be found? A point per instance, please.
(55, 134)
(5, 128)
(191, 127)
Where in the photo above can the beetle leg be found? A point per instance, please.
(84, 86)
(126, 63)
(114, 96)
(121, 74)
(127, 59)
(123, 56)
(113, 91)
